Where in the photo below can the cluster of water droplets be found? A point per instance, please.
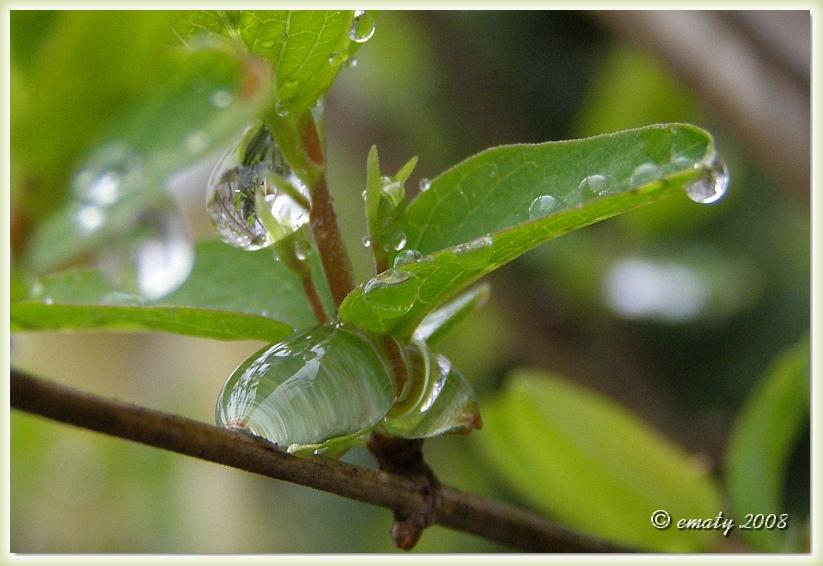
(254, 198)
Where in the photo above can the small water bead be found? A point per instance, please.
(302, 249)
(281, 109)
(336, 58)
(155, 258)
(542, 206)
(366, 241)
(474, 254)
(599, 185)
(645, 174)
(364, 194)
(253, 198)
(397, 241)
(714, 183)
(351, 62)
(406, 256)
(391, 294)
(362, 27)
(221, 98)
(425, 185)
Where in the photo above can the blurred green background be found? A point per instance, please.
(674, 310)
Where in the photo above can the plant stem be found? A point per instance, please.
(289, 256)
(457, 510)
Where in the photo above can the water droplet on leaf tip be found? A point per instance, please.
(425, 185)
(712, 185)
(645, 174)
(362, 27)
(542, 206)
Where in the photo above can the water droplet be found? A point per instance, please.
(366, 241)
(48, 300)
(109, 173)
(267, 43)
(197, 142)
(393, 191)
(644, 174)
(682, 161)
(335, 58)
(363, 194)
(713, 184)
(542, 206)
(351, 62)
(154, 259)
(362, 27)
(398, 240)
(599, 185)
(475, 254)
(425, 185)
(254, 199)
(391, 294)
(406, 256)
(89, 218)
(302, 249)
(281, 109)
(221, 98)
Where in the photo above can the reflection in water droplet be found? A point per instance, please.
(391, 294)
(599, 185)
(254, 199)
(154, 259)
(362, 27)
(475, 254)
(644, 174)
(542, 206)
(406, 256)
(89, 218)
(713, 184)
(221, 98)
(109, 173)
(425, 185)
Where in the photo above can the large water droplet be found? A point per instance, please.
(475, 254)
(406, 256)
(644, 174)
(391, 294)
(110, 172)
(254, 199)
(362, 27)
(542, 206)
(154, 259)
(713, 184)
(599, 185)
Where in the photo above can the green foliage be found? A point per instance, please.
(157, 106)
(591, 464)
(764, 435)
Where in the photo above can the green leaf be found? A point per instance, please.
(304, 47)
(201, 105)
(231, 294)
(504, 201)
(591, 464)
(761, 442)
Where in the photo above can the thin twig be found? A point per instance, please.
(458, 510)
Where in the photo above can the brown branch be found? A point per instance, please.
(457, 510)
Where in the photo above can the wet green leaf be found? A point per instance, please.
(761, 442)
(200, 108)
(504, 201)
(591, 464)
(231, 294)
